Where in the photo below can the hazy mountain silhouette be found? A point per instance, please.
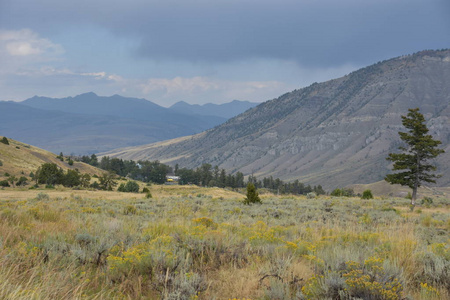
(89, 123)
(226, 110)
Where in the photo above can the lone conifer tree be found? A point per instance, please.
(252, 195)
(421, 147)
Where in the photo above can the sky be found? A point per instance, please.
(203, 51)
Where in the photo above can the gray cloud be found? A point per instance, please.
(319, 33)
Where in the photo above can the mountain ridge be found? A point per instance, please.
(225, 110)
(88, 123)
(338, 131)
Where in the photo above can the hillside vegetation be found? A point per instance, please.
(20, 159)
(204, 243)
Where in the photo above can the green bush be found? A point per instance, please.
(367, 194)
(145, 190)
(71, 178)
(344, 192)
(1, 163)
(129, 187)
(95, 185)
(4, 140)
(336, 193)
(22, 181)
(49, 174)
(4, 183)
(121, 188)
(427, 201)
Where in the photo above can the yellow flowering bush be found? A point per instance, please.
(428, 292)
(207, 222)
(143, 258)
(371, 281)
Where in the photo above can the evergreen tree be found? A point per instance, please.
(413, 162)
(252, 195)
(49, 174)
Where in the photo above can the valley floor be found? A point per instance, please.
(204, 243)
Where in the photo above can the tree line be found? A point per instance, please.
(205, 175)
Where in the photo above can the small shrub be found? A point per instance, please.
(367, 194)
(70, 162)
(1, 163)
(4, 140)
(22, 181)
(49, 186)
(148, 195)
(95, 185)
(427, 201)
(145, 190)
(311, 195)
(121, 188)
(205, 221)
(131, 187)
(4, 183)
(130, 210)
(84, 239)
(42, 196)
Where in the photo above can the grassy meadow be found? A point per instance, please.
(188, 242)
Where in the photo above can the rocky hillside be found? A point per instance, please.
(333, 133)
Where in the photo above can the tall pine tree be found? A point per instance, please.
(414, 161)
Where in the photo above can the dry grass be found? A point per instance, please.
(20, 159)
(189, 242)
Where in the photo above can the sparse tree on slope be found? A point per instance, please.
(414, 161)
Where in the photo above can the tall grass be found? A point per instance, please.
(198, 246)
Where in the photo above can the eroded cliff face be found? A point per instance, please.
(333, 133)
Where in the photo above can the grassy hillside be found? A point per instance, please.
(204, 243)
(20, 159)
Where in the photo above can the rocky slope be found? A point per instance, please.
(333, 133)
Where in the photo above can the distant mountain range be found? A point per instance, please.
(333, 133)
(226, 110)
(89, 123)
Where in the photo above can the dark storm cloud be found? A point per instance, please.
(319, 33)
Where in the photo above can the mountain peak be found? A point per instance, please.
(334, 133)
(88, 94)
